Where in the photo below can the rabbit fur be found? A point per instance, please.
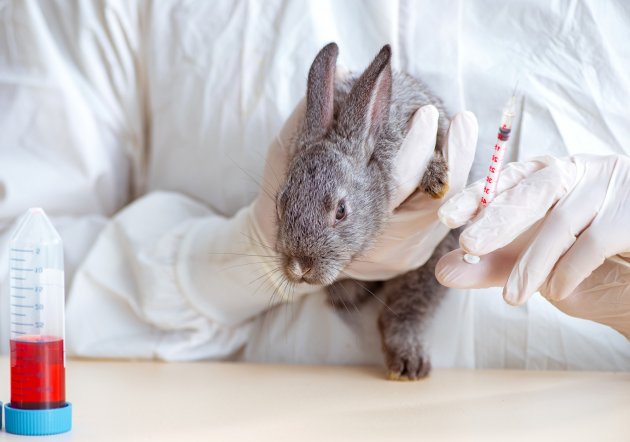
(336, 196)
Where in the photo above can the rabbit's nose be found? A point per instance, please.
(298, 267)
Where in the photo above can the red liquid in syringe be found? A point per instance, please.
(496, 162)
(37, 372)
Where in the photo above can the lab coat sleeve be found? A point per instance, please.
(169, 279)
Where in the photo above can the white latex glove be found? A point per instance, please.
(414, 229)
(558, 226)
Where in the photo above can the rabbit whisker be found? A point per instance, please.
(260, 243)
(372, 293)
(244, 254)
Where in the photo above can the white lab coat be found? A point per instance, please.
(141, 128)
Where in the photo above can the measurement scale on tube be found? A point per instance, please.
(36, 274)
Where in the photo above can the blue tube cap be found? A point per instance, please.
(38, 422)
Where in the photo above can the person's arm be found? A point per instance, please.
(170, 279)
(558, 226)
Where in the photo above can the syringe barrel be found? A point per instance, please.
(36, 275)
(498, 153)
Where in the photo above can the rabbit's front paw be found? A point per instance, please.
(405, 357)
(408, 363)
(435, 179)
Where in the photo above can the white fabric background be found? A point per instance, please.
(103, 102)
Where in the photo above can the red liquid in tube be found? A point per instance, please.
(38, 374)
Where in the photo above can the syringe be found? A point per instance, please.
(496, 162)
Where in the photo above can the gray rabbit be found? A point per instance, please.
(335, 200)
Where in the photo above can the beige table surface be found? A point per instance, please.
(138, 401)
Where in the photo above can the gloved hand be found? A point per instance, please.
(414, 229)
(558, 226)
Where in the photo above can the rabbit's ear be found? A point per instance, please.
(319, 94)
(366, 110)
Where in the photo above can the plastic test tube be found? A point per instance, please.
(38, 387)
(496, 162)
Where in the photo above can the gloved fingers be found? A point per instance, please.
(601, 240)
(464, 206)
(603, 189)
(556, 235)
(514, 211)
(415, 153)
(459, 152)
(461, 141)
(492, 270)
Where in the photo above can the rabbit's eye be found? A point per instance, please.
(341, 210)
